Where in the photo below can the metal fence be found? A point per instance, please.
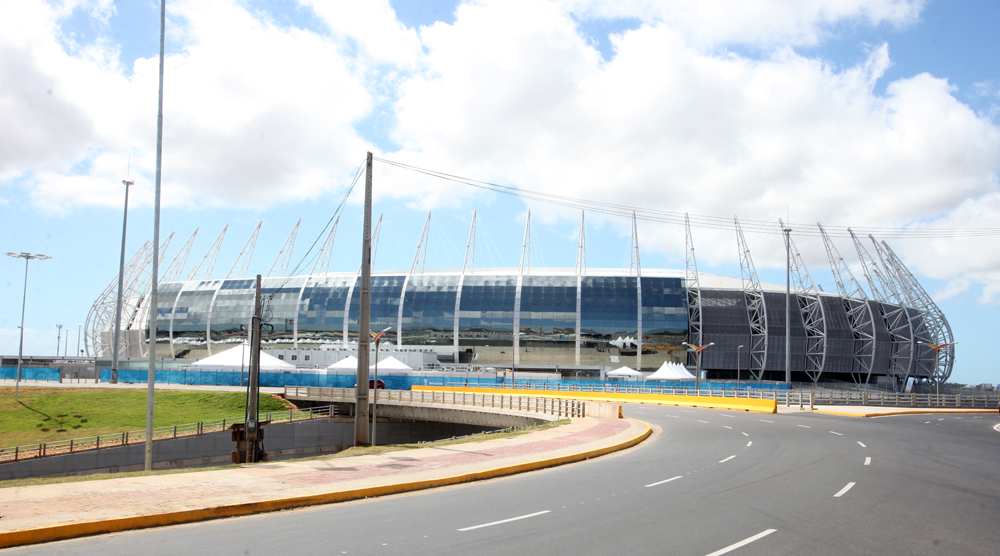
(532, 404)
(73, 445)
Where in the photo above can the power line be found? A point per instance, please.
(700, 221)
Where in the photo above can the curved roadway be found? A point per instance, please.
(709, 482)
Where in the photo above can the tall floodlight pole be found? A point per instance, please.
(58, 338)
(79, 333)
(24, 301)
(364, 318)
(788, 303)
(121, 279)
(151, 380)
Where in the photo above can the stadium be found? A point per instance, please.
(571, 322)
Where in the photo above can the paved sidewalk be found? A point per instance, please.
(34, 514)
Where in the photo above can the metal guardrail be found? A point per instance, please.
(74, 445)
(531, 404)
(800, 398)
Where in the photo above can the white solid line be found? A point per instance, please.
(836, 433)
(765, 421)
(862, 444)
(744, 434)
(727, 459)
(744, 542)
(803, 426)
(503, 521)
(749, 443)
(728, 415)
(844, 490)
(700, 421)
(665, 481)
(728, 427)
(868, 461)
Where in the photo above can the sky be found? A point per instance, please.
(881, 115)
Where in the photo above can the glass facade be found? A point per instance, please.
(546, 307)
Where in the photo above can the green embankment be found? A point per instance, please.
(50, 414)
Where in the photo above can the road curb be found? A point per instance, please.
(89, 528)
(906, 412)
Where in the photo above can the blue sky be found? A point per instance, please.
(865, 114)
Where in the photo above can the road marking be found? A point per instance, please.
(674, 416)
(728, 427)
(664, 481)
(727, 415)
(744, 542)
(686, 411)
(927, 422)
(700, 421)
(803, 426)
(940, 419)
(749, 443)
(727, 459)
(862, 444)
(997, 428)
(744, 434)
(844, 490)
(505, 520)
(868, 461)
(765, 421)
(836, 433)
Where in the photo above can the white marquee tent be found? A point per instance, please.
(671, 371)
(349, 363)
(624, 372)
(391, 366)
(237, 358)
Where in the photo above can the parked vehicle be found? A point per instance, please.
(371, 384)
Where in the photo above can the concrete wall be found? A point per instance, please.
(281, 441)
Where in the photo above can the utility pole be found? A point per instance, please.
(364, 318)
(121, 279)
(58, 338)
(788, 304)
(151, 377)
(252, 426)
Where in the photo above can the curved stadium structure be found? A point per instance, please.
(573, 321)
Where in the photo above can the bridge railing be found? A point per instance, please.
(554, 407)
(124, 438)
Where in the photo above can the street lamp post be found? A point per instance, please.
(937, 361)
(738, 348)
(79, 332)
(697, 364)
(377, 338)
(20, 346)
(58, 338)
(121, 285)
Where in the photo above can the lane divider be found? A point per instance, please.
(836, 433)
(665, 481)
(727, 459)
(742, 543)
(88, 528)
(868, 460)
(492, 523)
(844, 490)
(862, 444)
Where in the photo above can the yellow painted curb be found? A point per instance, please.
(737, 404)
(906, 412)
(87, 528)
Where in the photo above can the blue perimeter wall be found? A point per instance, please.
(324, 380)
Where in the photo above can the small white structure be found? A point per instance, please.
(671, 371)
(624, 372)
(238, 358)
(349, 363)
(391, 366)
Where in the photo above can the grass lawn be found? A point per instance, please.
(49, 414)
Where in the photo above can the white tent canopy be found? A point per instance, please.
(239, 358)
(391, 366)
(671, 371)
(624, 372)
(346, 364)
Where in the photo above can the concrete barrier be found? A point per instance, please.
(735, 404)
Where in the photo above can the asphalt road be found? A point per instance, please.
(708, 482)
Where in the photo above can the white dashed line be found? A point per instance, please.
(727, 459)
(744, 542)
(927, 422)
(940, 419)
(868, 461)
(744, 434)
(862, 444)
(728, 427)
(749, 443)
(664, 481)
(507, 520)
(700, 421)
(804, 426)
(727, 415)
(765, 421)
(836, 433)
(844, 490)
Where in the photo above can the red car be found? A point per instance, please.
(371, 384)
